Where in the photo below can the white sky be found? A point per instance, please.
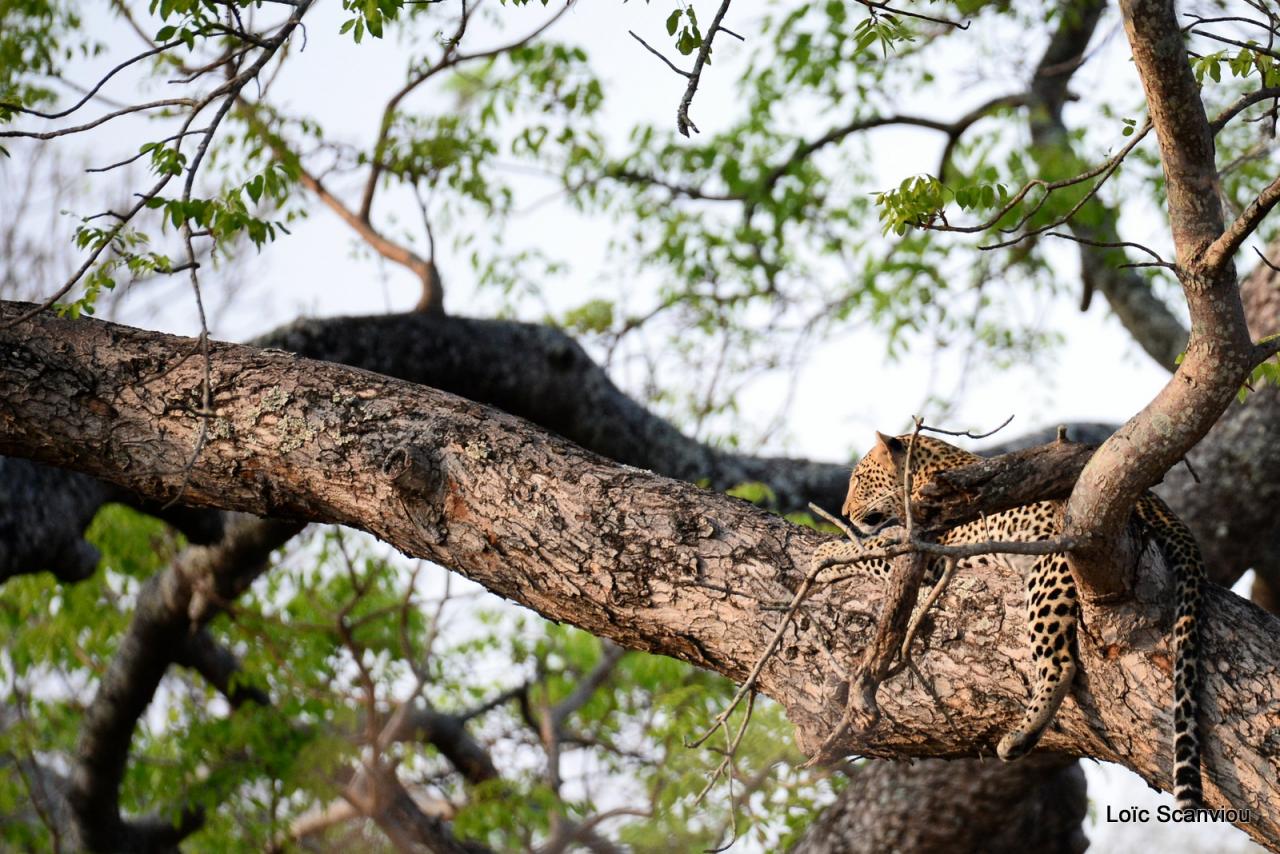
(848, 390)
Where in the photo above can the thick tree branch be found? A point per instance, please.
(219, 667)
(378, 793)
(622, 553)
(553, 383)
(956, 496)
(1182, 129)
(1219, 353)
(1230, 501)
(448, 733)
(44, 512)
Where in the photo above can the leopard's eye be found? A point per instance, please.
(873, 519)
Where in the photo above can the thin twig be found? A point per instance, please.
(885, 7)
(968, 433)
(658, 54)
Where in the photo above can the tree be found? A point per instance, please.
(331, 668)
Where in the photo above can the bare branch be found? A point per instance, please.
(102, 81)
(907, 13)
(115, 114)
(659, 54)
(432, 287)
(1244, 225)
(449, 59)
(683, 123)
(1248, 99)
(1104, 169)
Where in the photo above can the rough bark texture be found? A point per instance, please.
(1219, 353)
(1230, 502)
(468, 357)
(933, 806)
(1000, 483)
(541, 374)
(650, 563)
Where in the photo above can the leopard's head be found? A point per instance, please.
(874, 500)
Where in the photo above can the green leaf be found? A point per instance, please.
(755, 492)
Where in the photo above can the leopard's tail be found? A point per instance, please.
(1182, 553)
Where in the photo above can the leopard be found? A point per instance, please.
(874, 503)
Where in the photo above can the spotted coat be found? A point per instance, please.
(874, 502)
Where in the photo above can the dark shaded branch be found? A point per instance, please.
(1036, 804)
(219, 667)
(44, 512)
(1102, 266)
(448, 734)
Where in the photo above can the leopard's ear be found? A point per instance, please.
(893, 448)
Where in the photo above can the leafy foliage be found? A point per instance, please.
(332, 623)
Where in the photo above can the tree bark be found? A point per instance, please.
(1230, 493)
(543, 375)
(1219, 353)
(651, 563)
(929, 807)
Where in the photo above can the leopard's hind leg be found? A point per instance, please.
(1051, 619)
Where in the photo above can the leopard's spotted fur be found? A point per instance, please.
(874, 501)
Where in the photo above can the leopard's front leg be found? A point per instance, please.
(837, 559)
